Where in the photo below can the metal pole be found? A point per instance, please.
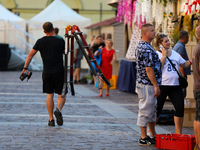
(100, 12)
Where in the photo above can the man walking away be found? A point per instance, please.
(51, 49)
(148, 79)
(196, 87)
(180, 48)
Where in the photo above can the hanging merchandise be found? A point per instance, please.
(126, 10)
(191, 5)
(121, 10)
(198, 5)
(150, 10)
(142, 11)
(135, 39)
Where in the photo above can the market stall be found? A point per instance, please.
(135, 14)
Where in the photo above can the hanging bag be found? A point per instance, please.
(98, 60)
(182, 80)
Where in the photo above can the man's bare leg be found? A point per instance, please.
(57, 112)
(75, 74)
(61, 102)
(78, 70)
(143, 132)
(152, 128)
(50, 105)
(153, 133)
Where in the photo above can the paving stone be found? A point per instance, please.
(88, 122)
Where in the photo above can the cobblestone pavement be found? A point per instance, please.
(90, 122)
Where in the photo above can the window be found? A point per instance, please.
(109, 36)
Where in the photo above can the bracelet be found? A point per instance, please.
(25, 68)
(190, 61)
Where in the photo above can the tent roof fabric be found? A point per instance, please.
(59, 12)
(7, 15)
(102, 23)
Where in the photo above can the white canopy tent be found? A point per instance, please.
(60, 15)
(9, 28)
(13, 32)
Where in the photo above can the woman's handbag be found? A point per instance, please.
(182, 80)
(98, 60)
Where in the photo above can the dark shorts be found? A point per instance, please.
(78, 63)
(53, 82)
(197, 98)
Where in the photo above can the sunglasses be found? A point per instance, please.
(163, 35)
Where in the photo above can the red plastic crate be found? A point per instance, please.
(175, 141)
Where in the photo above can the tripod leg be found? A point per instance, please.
(65, 90)
(71, 65)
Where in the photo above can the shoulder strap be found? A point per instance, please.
(171, 63)
(173, 66)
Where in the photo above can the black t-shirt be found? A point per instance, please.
(51, 50)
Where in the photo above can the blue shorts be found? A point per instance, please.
(78, 63)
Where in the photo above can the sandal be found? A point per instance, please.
(100, 95)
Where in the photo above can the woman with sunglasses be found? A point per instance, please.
(108, 57)
(170, 84)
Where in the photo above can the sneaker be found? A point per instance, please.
(153, 140)
(51, 123)
(75, 82)
(59, 118)
(146, 141)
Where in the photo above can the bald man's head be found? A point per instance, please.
(145, 27)
(197, 32)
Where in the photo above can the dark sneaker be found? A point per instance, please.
(79, 82)
(59, 118)
(75, 82)
(153, 140)
(146, 141)
(51, 123)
